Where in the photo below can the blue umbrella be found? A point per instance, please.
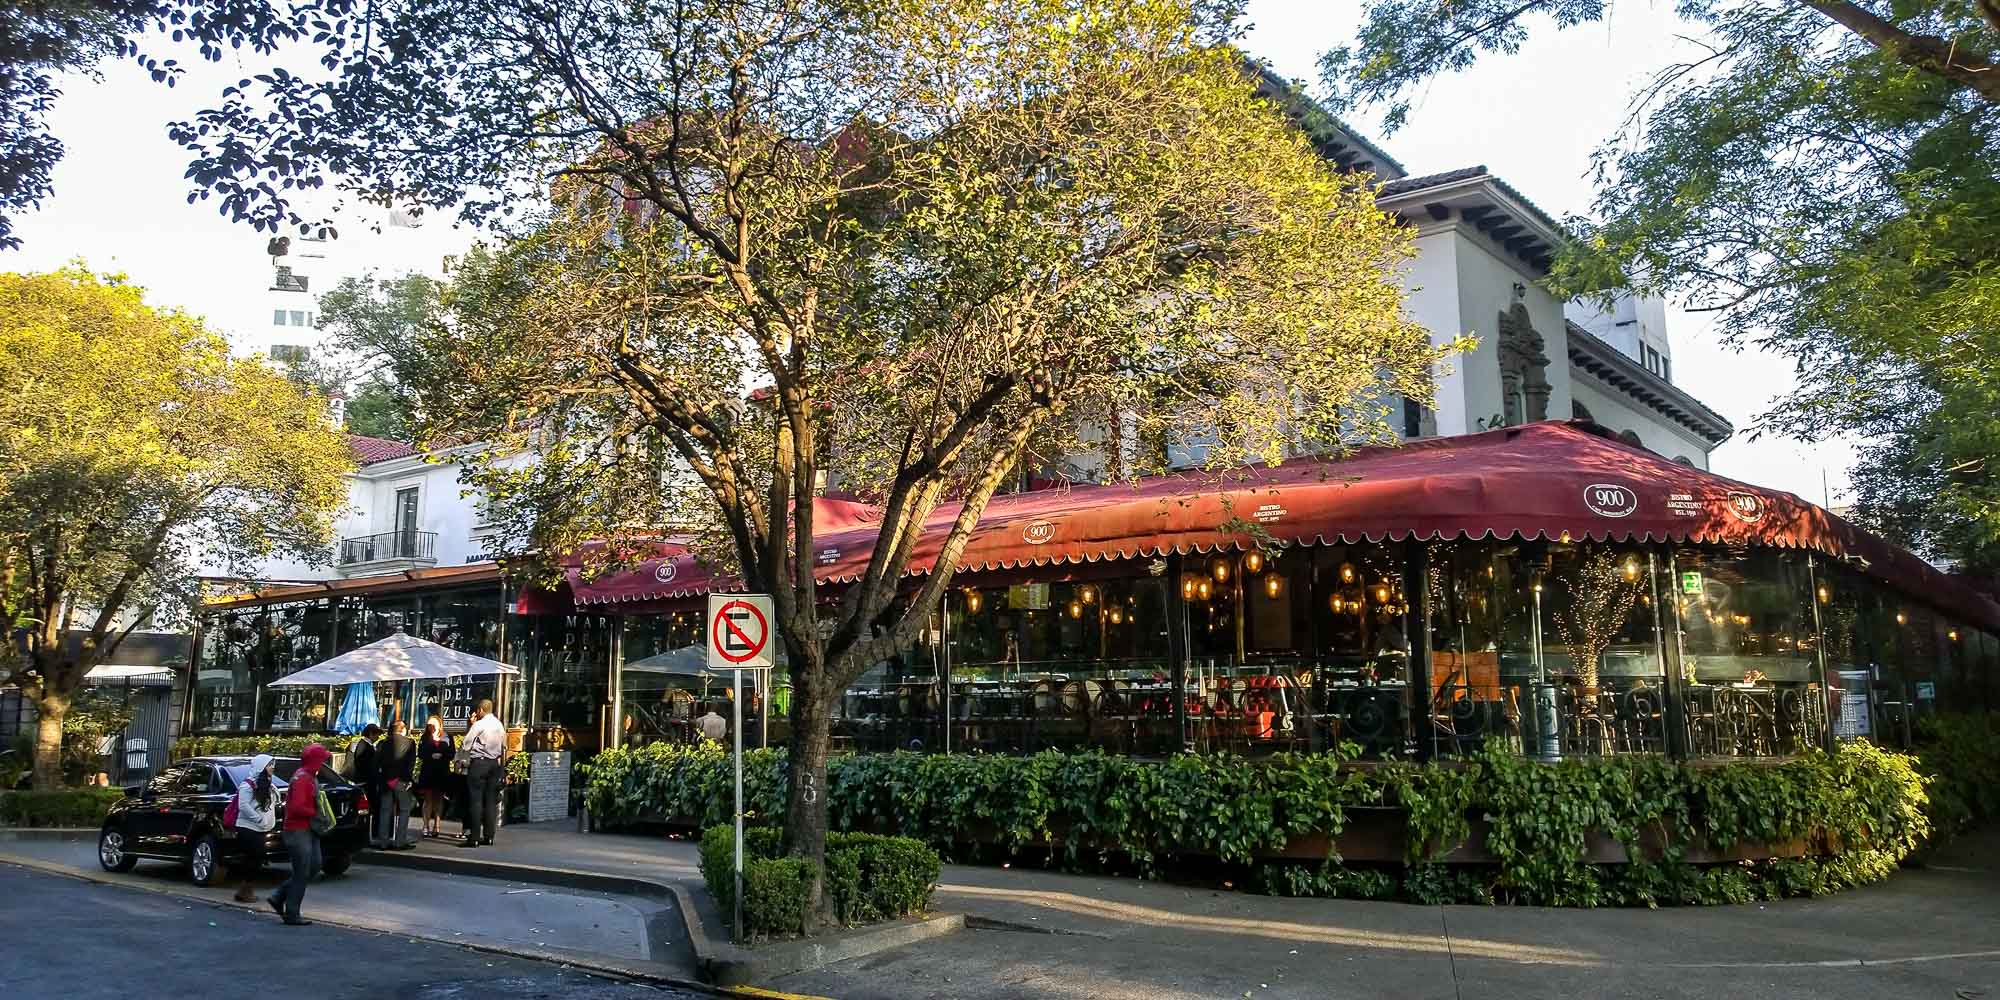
(358, 709)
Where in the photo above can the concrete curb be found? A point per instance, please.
(718, 961)
(595, 964)
(728, 965)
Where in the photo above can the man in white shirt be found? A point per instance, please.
(485, 742)
(713, 725)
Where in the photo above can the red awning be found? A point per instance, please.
(1550, 480)
(675, 572)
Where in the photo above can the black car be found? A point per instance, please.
(178, 817)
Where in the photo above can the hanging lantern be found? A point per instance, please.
(1076, 609)
(1220, 568)
(1334, 603)
(1188, 587)
(1253, 561)
(1953, 634)
(1902, 619)
(1203, 590)
(1273, 585)
(972, 602)
(1346, 572)
(1381, 593)
(1088, 594)
(1117, 616)
(1631, 569)
(1824, 596)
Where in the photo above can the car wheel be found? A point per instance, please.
(112, 850)
(205, 860)
(335, 865)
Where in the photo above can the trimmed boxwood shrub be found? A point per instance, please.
(69, 807)
(249, 746)
(1860, 810)
(868, 878)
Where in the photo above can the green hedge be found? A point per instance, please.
(248, 746)
(1863, 810)
(70, 807)
(868, 878)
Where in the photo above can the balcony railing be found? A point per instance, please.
(417, 545)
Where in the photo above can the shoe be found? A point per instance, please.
(297, 922)
(488, 842)
(275, 904)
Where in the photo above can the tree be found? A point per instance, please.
(370, 319)
(134, 449)
(44, 38)
(1824, 177)
(886, 245)
(1603, 588)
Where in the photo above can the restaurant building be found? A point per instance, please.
(1549, 586)
(1545, 562)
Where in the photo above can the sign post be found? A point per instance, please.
(739, 638)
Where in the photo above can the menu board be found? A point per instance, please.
(548, 786)
(1853, 720)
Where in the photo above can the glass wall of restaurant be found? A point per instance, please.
(1547, 647)
(666, 685)
(563, 659)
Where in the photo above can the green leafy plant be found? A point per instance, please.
(867, 878)
(245, 746)
(1850, 816)
(71, 807)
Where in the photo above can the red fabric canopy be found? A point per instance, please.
(1551, 480)
(676, 572)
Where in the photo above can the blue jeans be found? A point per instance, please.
(303, 848)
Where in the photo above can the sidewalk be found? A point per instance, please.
(616, 933)
(1921, 932)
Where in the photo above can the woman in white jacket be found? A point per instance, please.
(256, 816)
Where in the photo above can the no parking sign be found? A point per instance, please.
(739, 631)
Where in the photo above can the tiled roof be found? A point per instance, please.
(1409, 184)
(369, 450)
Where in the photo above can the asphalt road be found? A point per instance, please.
(67, 939)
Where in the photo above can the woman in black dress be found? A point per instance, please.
(434, 755)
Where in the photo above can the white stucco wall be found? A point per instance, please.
(1430, 297)
(1486, 280)
(1655, 432)
(444, 506)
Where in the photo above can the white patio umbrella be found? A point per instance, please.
(397, 658)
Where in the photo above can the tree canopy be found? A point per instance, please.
(896, 248)
(1826, 177)
(134, 451)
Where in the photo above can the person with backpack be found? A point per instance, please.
(307, 815)
(253, 816)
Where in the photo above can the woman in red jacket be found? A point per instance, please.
(301, 843)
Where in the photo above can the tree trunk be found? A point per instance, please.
(805, 812)
(50, 710)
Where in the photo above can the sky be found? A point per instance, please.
(1533, 118)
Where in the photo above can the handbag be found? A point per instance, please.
(322, 821)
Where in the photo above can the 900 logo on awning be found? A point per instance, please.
(1610, 500)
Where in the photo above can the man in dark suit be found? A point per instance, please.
(396, 769)
(362, 768)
